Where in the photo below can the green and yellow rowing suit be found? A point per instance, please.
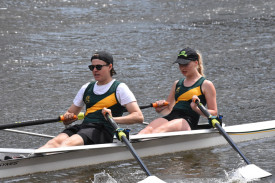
(95, 103)
(183, 98)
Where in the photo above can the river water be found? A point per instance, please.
(45, 47)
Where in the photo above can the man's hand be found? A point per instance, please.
(105, 111)
(69, 118)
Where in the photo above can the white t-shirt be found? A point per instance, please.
(123, 93)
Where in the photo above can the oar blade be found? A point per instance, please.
(252, 172)
(151, 179)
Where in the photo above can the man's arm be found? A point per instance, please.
(134, 114)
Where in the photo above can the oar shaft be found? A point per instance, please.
(222, 131)
(38, 122)
(230, 141)
(134, 153)
(141, 107)
(29, 123)
(145, 106)
(150, 105)
(129, 146)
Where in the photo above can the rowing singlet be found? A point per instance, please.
(183, 97)
(95, 104)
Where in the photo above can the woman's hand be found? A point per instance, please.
(194, 105)
(161, 105)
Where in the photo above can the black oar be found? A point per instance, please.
(123, 137)
(37, 122)
(148, 106)
(249, 172)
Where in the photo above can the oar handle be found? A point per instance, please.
(128, 144)
(78, 117)
(156, 105)
(153, 105)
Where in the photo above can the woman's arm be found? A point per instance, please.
(209, 92)
(164, 110)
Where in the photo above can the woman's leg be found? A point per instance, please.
(153, 125)
(174, 125)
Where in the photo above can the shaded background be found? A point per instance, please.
(46, 45)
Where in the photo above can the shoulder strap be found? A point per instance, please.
(88, 87)
(180, 82)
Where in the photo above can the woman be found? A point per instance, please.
(182, 113)
(105, 95)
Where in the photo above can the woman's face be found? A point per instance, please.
(188, 69)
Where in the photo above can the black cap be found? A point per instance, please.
(104, 56)
(186, 55)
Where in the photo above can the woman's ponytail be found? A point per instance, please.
(200, 65)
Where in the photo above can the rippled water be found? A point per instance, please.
(45, 46)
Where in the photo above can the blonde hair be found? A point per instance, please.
(200, 65)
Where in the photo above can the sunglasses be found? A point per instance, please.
(98, 67)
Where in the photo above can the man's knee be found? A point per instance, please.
(74, 140)
(52, 143)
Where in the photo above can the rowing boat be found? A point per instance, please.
(44, 160)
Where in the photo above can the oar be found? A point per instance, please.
(38, 122)
(123, 138)
(250, 171)
(150, 105)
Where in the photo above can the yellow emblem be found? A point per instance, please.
(87, 100)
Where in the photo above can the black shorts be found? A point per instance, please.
(91, 133)
(175, 114)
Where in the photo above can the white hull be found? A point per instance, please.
(145, 145)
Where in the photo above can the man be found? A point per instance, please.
(105, 95)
